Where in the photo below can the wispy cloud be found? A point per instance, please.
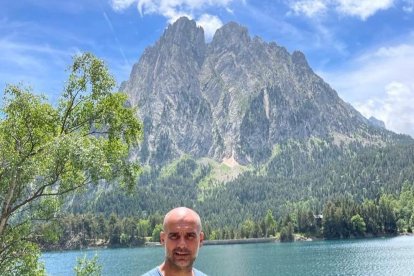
(114, 33)
(380, 84)
(38, 66)
(31, 60)
(362, 8)
(358, 8)
(173, 9)
(120, 5)
(309, 7)
(24, 55)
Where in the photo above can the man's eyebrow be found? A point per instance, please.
(184, 232)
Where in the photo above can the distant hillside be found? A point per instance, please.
(312, 172)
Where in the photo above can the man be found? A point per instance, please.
(182, 238)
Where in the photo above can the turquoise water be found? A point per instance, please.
(384, 256)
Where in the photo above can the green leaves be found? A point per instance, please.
(18, 256)
(47, 152)
(87, 267)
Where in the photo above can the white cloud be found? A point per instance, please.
(362, 8)
(173, 9)
(359, 8)
(120, 5)
(380, 84)
(309, 7)
(395, 109)
(210, 24)
(168, 7)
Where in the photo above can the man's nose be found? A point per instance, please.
(182, 242)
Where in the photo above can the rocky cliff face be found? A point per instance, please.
(233, 98)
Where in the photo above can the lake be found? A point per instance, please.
(379, 256)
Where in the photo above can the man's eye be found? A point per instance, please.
(173, 237)
(191, 236)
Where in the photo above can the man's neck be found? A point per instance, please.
(169, 270)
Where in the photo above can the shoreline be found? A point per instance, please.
(298, 238)
(240, 241)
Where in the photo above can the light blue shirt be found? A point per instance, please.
(156, 272)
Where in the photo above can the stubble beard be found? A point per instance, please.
(175, 261)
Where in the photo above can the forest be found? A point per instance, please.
(340, 218)
(314, 171)
(310, 188)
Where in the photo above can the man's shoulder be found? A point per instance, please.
(198, 273)
(153, 272)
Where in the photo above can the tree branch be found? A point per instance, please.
(40, 190)
(6, 208)
(69, 110)
(39, 193)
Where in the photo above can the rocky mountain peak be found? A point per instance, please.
(232, 99)
(183, 38)
(230, 35)
(299, 59)
(183, 31)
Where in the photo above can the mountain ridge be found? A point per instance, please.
(234, 98)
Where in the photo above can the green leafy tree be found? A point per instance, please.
(370, 214)
(358, 225)
(214, 235)
(114, 230)
(124, 239)
(405, 207)
(129, 229)
(387, 214)
(412, 221)
(156, 233)
(331, 224)
(47, 152)
(101, 227)
(270, 223)
(401, 225)
(247, 228)
(286, 233)
(143, 228)
(85, 267)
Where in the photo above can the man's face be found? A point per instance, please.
(182, 239)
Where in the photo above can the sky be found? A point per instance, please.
(364, 49)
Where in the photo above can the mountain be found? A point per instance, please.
(239, 126)
(234, 99)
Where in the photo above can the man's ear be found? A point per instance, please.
(162, 237)
(201, 238)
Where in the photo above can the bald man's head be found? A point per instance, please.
(182, 238)
(182, 215)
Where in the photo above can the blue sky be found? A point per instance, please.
(363, 48)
